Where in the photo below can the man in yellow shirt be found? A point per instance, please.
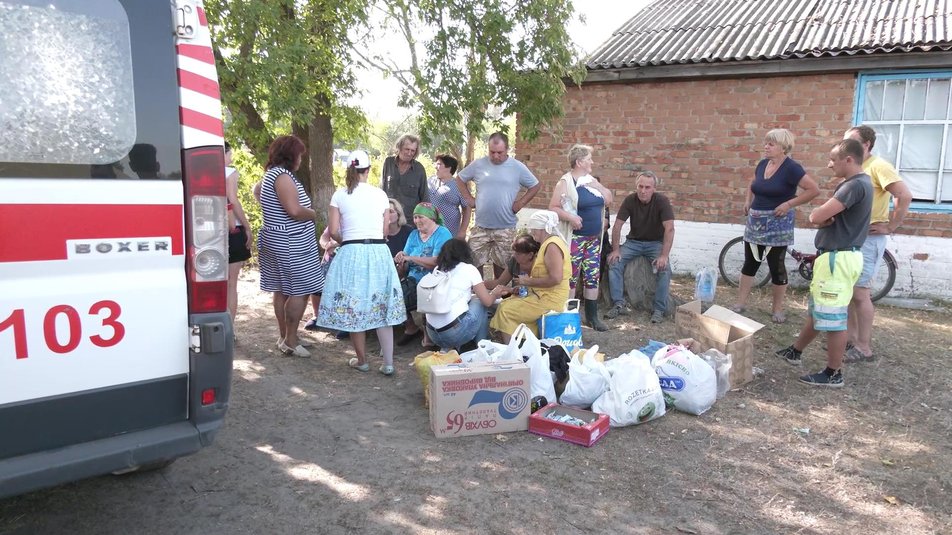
(886, 183)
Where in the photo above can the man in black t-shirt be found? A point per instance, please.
(651, 235)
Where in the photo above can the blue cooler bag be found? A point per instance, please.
(563, 327)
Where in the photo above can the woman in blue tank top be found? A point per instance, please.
(580, 201)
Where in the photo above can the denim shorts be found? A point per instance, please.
(873, 249)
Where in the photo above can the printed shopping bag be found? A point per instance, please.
(563, 327)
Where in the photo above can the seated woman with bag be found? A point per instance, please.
(466, 322)
(418, 258)
(547, 283)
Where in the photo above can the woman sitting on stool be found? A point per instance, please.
(467, 322)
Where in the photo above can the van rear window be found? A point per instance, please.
(88, 90)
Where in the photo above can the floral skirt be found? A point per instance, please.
(764, 228)
(362, 290)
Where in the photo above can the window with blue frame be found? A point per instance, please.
(912, 116)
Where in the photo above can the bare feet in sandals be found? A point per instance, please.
(779, 317)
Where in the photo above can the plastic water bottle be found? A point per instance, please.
(522, 291)
(706, 284)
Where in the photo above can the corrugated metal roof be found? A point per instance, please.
(670, 32)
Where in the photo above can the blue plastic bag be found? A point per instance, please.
(563, 327)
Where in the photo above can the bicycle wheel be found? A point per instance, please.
(884, 278)
(731, 260)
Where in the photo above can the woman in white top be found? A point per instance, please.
(467, 322)
(362, 289)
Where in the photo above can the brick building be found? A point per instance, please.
(688, 88)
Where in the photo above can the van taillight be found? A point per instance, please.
(205, 232)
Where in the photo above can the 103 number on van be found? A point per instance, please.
(107, 311)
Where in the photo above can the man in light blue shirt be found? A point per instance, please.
(498, 179)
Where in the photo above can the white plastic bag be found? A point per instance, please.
(634, 394)
(689, 383)
(721, 364)
(524, 345)
(487, 351)
(588, 379)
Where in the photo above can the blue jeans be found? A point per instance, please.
(616, 274)
(473, 325)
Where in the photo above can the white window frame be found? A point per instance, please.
(919, 206)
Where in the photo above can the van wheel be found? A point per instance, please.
(144, 468)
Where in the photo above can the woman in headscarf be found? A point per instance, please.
(417, 259)
(547, 283)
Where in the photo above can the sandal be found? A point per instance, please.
(854, 355)
(297, 351)
(353, 363)
(301, 342)
(779, 317)
(387, 369)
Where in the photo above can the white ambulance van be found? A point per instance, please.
(115, 341)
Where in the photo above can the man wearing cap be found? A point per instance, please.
(886, 181)
(403, 178)
(498, 180)
(651, 235)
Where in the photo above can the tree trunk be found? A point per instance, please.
(640, 283)
(304, 173)
(470, 149)
(321, 146)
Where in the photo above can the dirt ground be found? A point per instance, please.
(311, 446)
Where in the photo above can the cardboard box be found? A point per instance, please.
(586, 435)
(473, 399)
(724, 330)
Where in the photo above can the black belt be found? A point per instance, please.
(365, 242)
(840, 250)
(449, 325)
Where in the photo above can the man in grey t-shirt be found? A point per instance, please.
(844, 223)
(498, 180)
(403, 177)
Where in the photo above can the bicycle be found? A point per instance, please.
(731, 260)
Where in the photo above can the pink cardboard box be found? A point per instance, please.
(586, 435)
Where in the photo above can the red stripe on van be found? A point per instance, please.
(200, 52)
(199, 84)
(200, 121)
(25, 242)
(202, 19)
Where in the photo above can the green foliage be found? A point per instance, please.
(473, 62)
(284, 67)
(249, 173)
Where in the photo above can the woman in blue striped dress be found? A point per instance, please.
(287, 247)
(362, 290)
